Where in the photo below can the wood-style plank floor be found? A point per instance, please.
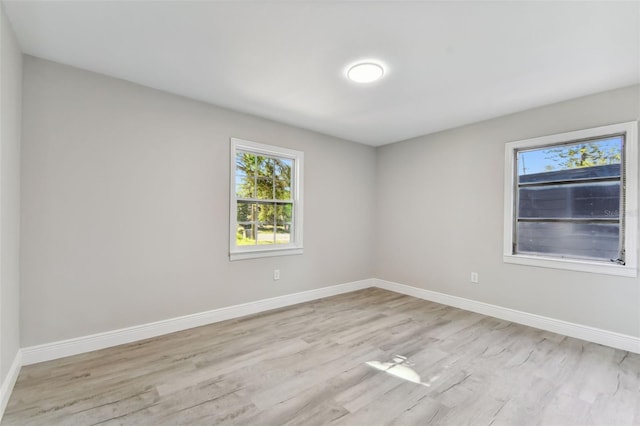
(370, 357)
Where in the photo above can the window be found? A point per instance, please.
(571, 200)
(266, 200)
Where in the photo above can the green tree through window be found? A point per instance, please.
(587, 154)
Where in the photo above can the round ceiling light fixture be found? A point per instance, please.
(365, 72)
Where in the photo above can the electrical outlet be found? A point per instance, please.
(474, 277)
(276, 274)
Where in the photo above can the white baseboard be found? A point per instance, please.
(60, 349)
(596, 335)
(9, 381)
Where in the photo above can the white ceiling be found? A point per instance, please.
(448, 63)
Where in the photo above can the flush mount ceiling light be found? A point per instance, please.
(365, 72)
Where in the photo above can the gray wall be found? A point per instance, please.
(10, 113)
(125, 207)
(125, 210)
(440, 217)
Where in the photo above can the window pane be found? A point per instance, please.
(265, 166)
(245, 186)
(245, 172)
(264, 188)
(570, 156)
(283, 234)
(580, 240)
(246, 162)
(570, 181)
(266, 234)
(284, 213)
(284, 223)
(246, 211)
(283, 168)
(245, 234)
(266, 213)
(282, 190)
(581, 200)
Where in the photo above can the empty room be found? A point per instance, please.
(319, 212)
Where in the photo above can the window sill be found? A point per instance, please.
(272, 252)
(572, 265)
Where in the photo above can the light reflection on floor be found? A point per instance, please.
(400, 367)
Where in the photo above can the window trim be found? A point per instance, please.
(630, 129)
(249, 252)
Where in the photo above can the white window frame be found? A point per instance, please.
(254, 251)
(629, 269)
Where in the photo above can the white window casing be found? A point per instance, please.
(629, 183)
(295, 243)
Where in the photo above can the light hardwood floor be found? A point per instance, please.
(307, 365)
